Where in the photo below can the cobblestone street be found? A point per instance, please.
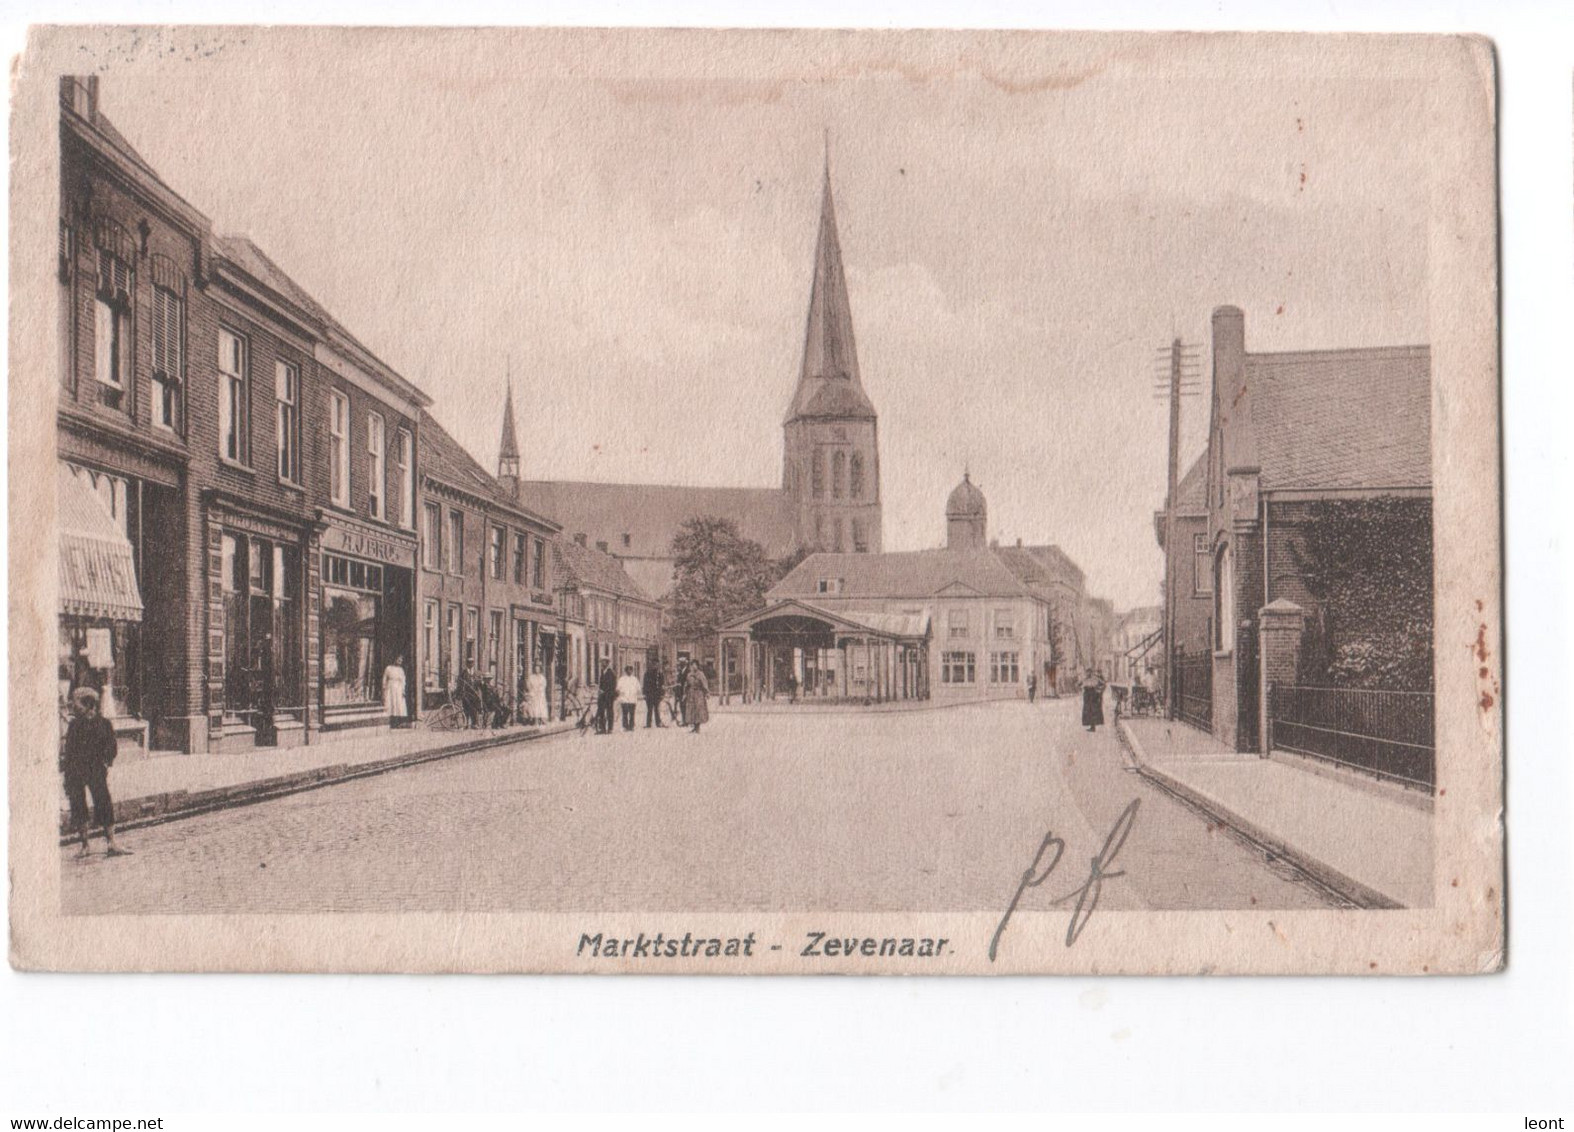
(936, 810)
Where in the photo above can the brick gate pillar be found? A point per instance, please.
(1279, 627)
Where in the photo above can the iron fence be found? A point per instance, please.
(1385, 733)
(1193, 690)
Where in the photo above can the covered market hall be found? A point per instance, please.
(797, 651)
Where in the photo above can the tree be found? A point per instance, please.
(1368, 565)
(720, 575)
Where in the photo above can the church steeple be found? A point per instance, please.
(828, 382)
(830, 439)
(508, 450)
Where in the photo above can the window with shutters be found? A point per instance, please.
(168, 369)
(112, 330)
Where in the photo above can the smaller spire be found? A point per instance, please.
(508, 451)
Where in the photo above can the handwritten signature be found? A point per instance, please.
(1088, 893)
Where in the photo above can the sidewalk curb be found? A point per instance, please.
(870, 709)
(176, 805)
(1346, 886)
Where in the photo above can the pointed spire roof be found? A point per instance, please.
(509, 450)
(828, 384)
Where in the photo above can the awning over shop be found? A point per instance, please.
(1143, 647)
(98, 576)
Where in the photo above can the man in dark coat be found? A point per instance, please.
(606, 696)
(1092, 700)
(655, 686)
(85, 762)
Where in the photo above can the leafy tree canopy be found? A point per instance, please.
(720, 575)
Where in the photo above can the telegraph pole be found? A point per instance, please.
(1182, 379)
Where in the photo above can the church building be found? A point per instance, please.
(829, 496)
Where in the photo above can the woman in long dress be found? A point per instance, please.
(695, 708)
(536, 697)
(393, 693)
(1092, 700)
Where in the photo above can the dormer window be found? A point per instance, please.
(831, 585)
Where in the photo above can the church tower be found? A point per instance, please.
(830, 449)
(508, 450)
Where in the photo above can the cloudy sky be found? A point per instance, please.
(629, 226)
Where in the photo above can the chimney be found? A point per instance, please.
(579, 538)
(80, 92)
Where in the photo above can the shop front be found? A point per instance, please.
(100, 600)
(365, 618)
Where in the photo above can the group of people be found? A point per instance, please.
(620, 696)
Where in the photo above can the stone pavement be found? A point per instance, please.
(1370, 842)
(160, 787)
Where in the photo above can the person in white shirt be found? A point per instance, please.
(628, 696)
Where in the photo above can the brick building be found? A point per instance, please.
(1188, 599)
(1318, 472)
(607, 618)
(256, 465)
(487, 572)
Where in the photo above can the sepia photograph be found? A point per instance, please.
(755, 502)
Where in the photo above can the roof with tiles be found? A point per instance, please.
(638, 520)
(445, 460)
(589, 568)
(1343, 419)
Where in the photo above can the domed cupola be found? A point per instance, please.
(966, 516)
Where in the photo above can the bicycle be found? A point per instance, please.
(446, 716)
(583, 714)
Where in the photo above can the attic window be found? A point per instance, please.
(831, 585)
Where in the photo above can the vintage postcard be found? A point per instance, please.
(754, 502)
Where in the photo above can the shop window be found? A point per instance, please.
(957, 668)
(287, 392)
(233, 399)
(339, 449)
(431, 536)
(494, 643)
(353, 608)
(261, 582)
(451, 653)
(404, 465)
(431, 659)
(376, 467)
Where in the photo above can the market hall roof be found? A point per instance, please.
(911, 574)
